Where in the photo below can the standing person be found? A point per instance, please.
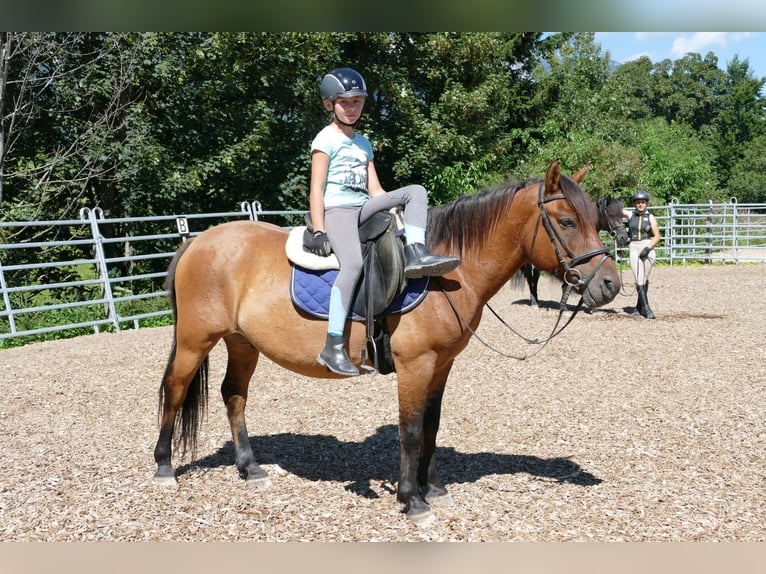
(344, 193)
(644, 236)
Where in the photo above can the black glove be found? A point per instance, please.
(644, 253)
(317, 243)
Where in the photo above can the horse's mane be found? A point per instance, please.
(470, 220)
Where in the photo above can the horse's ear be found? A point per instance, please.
(579, 177)
(552, 177)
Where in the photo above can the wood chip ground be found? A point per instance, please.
(621, 429)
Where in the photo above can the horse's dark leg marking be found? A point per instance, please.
(532, 275)
(162, 452)
(183, 369)
(428, 471)
(410, 435)
(184, 389)
(534, 279)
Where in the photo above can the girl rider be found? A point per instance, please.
(345, 192)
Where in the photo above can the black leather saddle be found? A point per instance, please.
(381, 282)
(383, 264)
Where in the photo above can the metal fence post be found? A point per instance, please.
(734, 234)
(7, 300)
(98, 241)
(670, 241)
(709, 233)
(257, 207)
(245, 207)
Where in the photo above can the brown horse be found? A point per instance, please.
(231, 283)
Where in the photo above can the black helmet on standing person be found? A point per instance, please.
(641, 194)
(342, 83)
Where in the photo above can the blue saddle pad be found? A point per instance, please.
(310, 291)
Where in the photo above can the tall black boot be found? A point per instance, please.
(639, 304)
(646, 311)
(420, 262)
(334, 357)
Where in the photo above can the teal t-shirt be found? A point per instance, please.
(347, 173)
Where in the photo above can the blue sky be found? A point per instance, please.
(626, 46)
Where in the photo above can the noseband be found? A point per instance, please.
(572, 276)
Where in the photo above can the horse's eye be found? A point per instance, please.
(567, 222)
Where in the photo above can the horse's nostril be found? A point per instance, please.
(611, 287)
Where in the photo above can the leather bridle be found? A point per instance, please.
(572, 277)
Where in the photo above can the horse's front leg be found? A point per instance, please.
(428, 472)
(407, 491)
(419, 414)
(533, 279)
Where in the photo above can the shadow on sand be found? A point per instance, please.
(323, 457)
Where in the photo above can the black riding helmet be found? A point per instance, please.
(641, 194)
(342, 83)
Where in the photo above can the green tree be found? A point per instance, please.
(741, 117)
(691, 91)
(589, 118)
(449, 109)
(232, 116)
(149, 123)
(677, 164)
(66, 101)
(748, 175)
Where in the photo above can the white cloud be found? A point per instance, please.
(698, 42)
(705, 41)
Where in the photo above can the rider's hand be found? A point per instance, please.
(318, 244)
(644, 253)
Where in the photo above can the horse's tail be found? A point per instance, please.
(170, 279)
(523, 276)
(518, 280)
(195, 402)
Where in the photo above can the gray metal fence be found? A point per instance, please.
(710, 233)
(70, 275)
(81, 276)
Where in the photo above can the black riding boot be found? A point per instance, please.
(334, 357)
(646, 311)
(639, 304)
(420, 262)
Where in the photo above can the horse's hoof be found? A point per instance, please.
(260, 483)
(440, 501)
(165, 481)
(422, 517)
(419, 513)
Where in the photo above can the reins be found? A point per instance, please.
(542, 344)
(571, 276)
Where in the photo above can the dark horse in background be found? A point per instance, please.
(609, 219)
(231, 283)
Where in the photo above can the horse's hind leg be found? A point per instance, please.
(186, 370)
(243, 358)
(533, 278)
